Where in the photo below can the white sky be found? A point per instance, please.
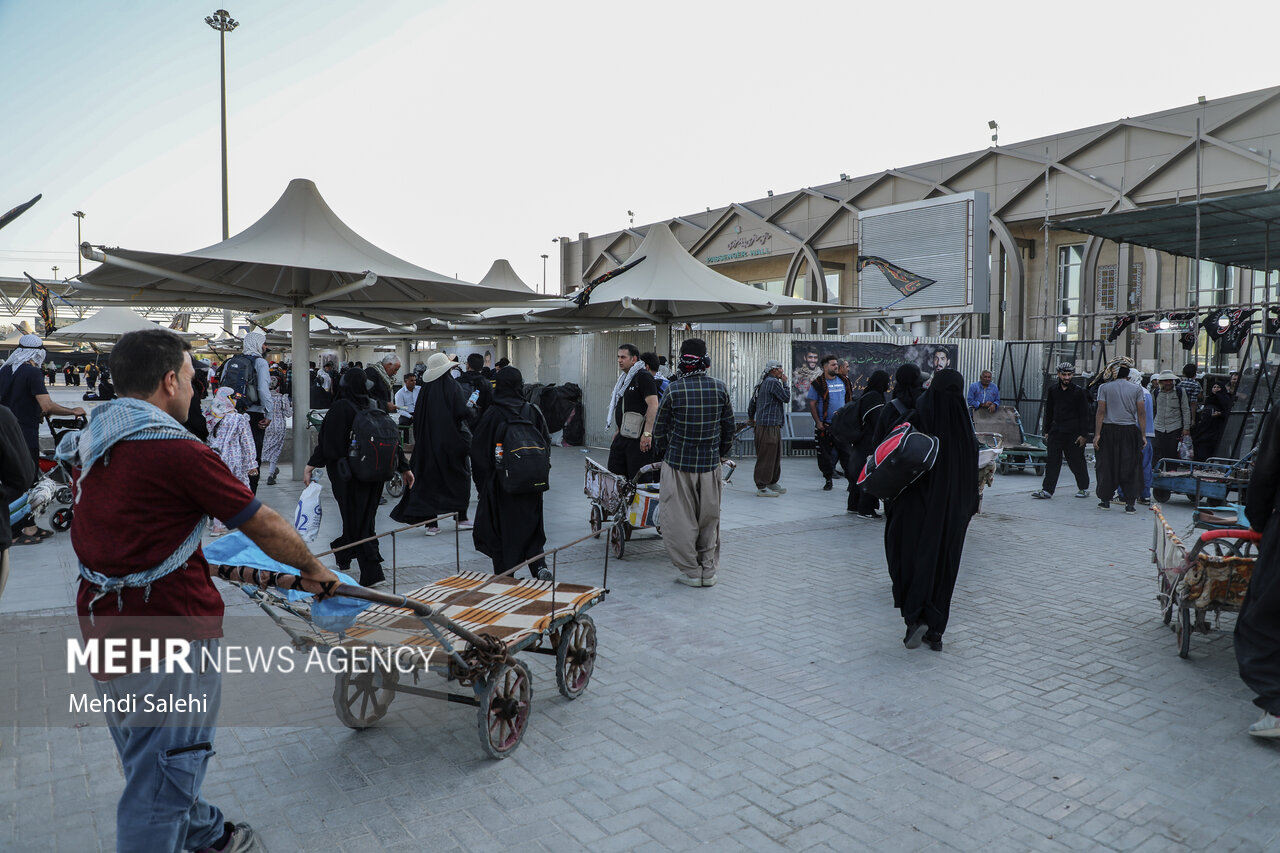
(455, 132)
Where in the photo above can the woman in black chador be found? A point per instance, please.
(870, 407)
(925, 525)
(1211, 421)
(1258, 625)
(441, 445)
(508, 527)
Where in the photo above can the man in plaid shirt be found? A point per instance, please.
(693, 433)
(1191, 389)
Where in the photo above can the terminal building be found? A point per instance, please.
(1015, 279)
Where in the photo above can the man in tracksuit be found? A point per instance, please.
(1066, 424)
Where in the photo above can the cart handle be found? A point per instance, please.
(1248, 535)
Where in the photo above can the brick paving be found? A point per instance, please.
(776, 711)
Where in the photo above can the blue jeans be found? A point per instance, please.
(164, 756)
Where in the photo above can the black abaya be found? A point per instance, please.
(925, 526)
(441, 445)
(509, 528)
(1257, 632)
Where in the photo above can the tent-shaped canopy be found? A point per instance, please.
(299, 257)
(298, 254)
(503, 277)
(1238, 230)
(108, 325)
(661, 283)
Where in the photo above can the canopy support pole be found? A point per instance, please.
(501, 342)
(404, 352)
(301, 385)
(662, 341)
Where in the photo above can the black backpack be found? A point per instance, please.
(846, 427)
(240, 374)
(525, 465)
(374, 440)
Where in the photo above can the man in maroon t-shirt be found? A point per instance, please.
(136, 509)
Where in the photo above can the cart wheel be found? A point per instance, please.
(627, 530)
(1215, 548)
(1002, 469)
(1039, 469)
(395, 486)
(1165, 596)
(597, 519)
(1184, 632)
(61, 520)
(362, 698)
(505, 700)
(618, 539)
(1161, 495)
(576, 656)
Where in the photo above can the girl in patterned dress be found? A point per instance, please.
(280, 408)
(231, 438)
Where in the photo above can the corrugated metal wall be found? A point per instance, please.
(591, 361)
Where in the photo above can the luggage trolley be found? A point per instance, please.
(628, 504)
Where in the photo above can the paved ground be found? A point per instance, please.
(777, 710)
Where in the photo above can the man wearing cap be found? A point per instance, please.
(1173, 417)
(441, 449)
(1066, 424)
(22, 389)
(771, 399)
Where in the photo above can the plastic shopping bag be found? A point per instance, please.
(309, 512)
(1185, 449)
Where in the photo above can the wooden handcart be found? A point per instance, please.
(468, 628)
(1019, 450)
(1211, 577)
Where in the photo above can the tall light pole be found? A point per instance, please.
(79, 215)
(544, 273)
(55, 273)
(222, 21)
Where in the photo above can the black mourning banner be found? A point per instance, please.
(1121, 323)
(584, 298)
(1188, 338)
(1232, 338)
(18, 211)
(905, 281)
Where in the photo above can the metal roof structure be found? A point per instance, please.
(1237, 230)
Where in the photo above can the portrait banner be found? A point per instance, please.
(865, 358)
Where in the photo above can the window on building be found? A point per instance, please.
(1070, 270)
(1262, 290)
(1214, 287)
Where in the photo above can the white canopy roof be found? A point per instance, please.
(502, 276)
(299, 254)
(109, 324)
(667, 285)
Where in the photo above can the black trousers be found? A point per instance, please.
(830, 452)
(1165, 446)
(1119, 463)
(626, 457)
(259, 433)
(358, 506)
(1058, 446)
(859, 500)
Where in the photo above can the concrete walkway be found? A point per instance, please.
(776, 711)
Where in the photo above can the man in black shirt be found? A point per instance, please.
(632, 408)
(1066, 422)
(475, 384)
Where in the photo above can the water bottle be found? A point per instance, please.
(471, 401)
(497, 452)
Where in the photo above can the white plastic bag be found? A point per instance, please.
(309, 513)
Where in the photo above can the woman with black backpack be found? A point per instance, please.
(357, 498)
(510, 457)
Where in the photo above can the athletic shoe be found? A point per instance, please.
(766, 493)
(466, 525)
(826, 487)
(1083, 493)
(688, 581)
(711, 581)
(1104, 504)
(774, 487)
(1041, 494)
(431, 531)
(1130, 508)
(544, 574)
(271, 481)
(872, 514)
(915, 633)
(239, 839)
(1268, 725)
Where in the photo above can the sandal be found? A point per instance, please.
(29, 538)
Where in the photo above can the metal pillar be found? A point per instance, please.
(404, 351)
(301, 383)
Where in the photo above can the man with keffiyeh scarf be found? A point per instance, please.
(143, 492)
(635, 394)
(23, 391)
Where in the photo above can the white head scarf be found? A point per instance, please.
(223, 404)
(253, 342)
(30, 348)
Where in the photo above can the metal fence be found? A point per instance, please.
(590, 361)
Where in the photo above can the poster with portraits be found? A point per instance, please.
(864, 358)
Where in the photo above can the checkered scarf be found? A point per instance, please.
(123, 419)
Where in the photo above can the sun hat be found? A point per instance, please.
(438, 365)
(1166, 374)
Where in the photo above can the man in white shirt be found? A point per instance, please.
(406, 399)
